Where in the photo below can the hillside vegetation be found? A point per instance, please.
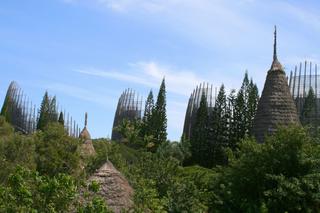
(42, 173)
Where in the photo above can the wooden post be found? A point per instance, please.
(304, 80)
(310, 76)
(290, 79)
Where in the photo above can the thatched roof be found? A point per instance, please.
(114, 188)
(85, 135)
(276, 106)
(86, 149)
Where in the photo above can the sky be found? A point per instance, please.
(87, 52)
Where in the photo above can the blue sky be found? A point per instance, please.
(86, 52)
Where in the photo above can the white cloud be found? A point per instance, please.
(115, 75)
(150, 74)
(81, 93)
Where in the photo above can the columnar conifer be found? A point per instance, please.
(61, 119)
(159, 116)
(147, 125)
(48, 111)
(200, 147)
(308, 115)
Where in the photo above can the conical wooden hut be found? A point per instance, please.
(276, 106)
(86, 148)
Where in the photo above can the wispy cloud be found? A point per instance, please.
(81, 93)
(150, 74)
(115, 75)
(305, 15)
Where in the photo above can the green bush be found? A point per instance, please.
(56, 151)
(281, 175)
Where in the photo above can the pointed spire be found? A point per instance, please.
(86, 119)
(275, 44)
(275, 63)
(276, 106)
(84, 134)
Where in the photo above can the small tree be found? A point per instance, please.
(61, 119)
(48, 112)
(308, 115)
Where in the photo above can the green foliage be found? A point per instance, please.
(210, 134)
(184, 196)
(96, 205)
(219, 129)
(15, 149)
(159, 117)
(172, 150)
(48, 112)
(56, 151)
(308, 115)
(146, 197)
(200, 149)
(281, 175)
(252, 105)
(94, 186)
(231, 116)
(160, 185)
(224, 126)
(147, 122)
(61, 119)
(5, 128)
(5, 110)
(185, 147)
(245, 107)
(130, 132)
(192, 191)
(151, 185)
(119, 154)
(27, 191)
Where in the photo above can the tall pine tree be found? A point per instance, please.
(245, 108)
(53, 114)
(43, 119)
(252, 104)
(159, 117)
(231, 101)
(220, 129)
(200, 147)
(147, 125)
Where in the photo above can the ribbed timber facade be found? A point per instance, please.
(129, 108)
(193, 106)
(304, 78)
